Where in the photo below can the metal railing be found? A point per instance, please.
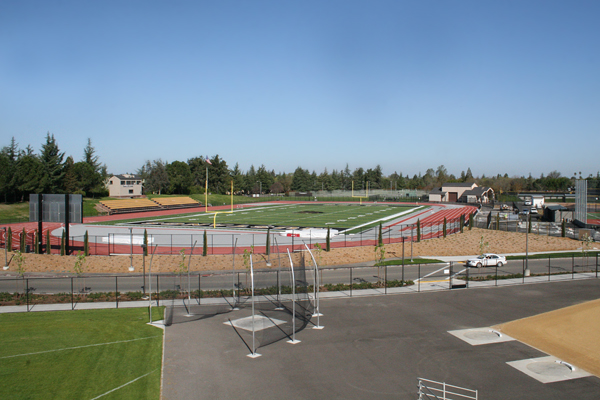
(429, 389)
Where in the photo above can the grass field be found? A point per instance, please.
(80, 355)
(349, 217)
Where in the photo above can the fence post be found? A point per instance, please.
(496, 277)
(596, 265)
(385, 283)
(572, 266)
(157, 292)
(27, 292)
(351, 281)
(72, 303)
(549, 268)
(117, 290)
(419, 278)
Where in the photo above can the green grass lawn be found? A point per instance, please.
(338, 216)
(80, 354)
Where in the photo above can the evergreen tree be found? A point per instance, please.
(268, 244)
(48, 245)
(205, 245)
(86, 249)
(418, 230)
(22, 244)
(53, 166)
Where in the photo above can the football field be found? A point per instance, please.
(344, 217)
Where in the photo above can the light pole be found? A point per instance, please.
(528, 222)
(5, 249)
(144, 247)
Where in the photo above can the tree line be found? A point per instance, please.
(23, 171)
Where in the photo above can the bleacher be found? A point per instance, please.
(130, 205)
(139, 205)
(176, 202)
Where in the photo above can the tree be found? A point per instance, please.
(48, 245)
(268, 244)
(86, 249)
(205, 245)
(53, 167)
(238, 178)
(156, 179)
(29, 175)
(328, 240)
(418, 230)
(180, 177)
(301, 180)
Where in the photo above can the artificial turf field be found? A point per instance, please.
(85, 354)
(347, 217)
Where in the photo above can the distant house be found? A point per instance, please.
(461, 192)
(126, 185)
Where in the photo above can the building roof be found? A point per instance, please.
(459, 184)
(125, 177)
(477, 191)
(557, 207)
(437, 190)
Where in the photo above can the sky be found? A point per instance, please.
(496, 86)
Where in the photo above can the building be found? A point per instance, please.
(461, 192)
(126, 185)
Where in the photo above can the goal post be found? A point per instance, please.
(366, 194)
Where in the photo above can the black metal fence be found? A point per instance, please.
(34, 291)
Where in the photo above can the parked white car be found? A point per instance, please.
(487, 260)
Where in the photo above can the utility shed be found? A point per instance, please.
(554, 213)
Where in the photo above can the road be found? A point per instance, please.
(265, 278)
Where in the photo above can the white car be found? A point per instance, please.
(487, 260)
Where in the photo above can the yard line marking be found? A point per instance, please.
(130, 382)
(77, 347)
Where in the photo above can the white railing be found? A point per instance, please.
(429, 389)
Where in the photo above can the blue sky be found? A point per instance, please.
(498, 86)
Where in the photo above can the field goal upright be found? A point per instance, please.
(366, 196)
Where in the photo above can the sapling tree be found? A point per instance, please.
(181, 267)
(20, 261)
(483, 246)
(328, 240)
(462, 223)
(9, 239)
(470, 221)
(79, 267)
(205, 245)
(418, 230)
(586, 245)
